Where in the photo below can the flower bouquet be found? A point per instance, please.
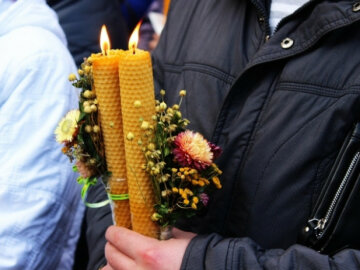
(178, 162)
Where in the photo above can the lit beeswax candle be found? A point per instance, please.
(166, 6)
(137, 102)
(106, 81)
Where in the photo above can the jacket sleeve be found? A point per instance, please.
(214, 252)
(40, 204)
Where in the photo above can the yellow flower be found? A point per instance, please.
(163, 106)
(65, 131)
(96, 129)
(80, 72)
(144, 125)
(130, 136)
(137, 103)
(72, 77)
(183, 93)
(217, 182)
(195, 199)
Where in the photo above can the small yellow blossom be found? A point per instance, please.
(151, 146)
(88, 128)
(80, 72)
(87, 109)
(183, 93)
(96, 128)
(72, 77)
(137, 103)
(195, 199)
(156, 217)
(144, 125)
(193, 206)
(88, 94)
(93, 108)
(130, 136)
(162, 92)
(162, 106)
(186, 201)
(92, 161)
(175, 190)
(87, 69)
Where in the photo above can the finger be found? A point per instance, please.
(128, 242)
(179, 234)
(117, 260)
(107, 267)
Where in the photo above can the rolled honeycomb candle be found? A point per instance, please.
(106, 81)
(166, 7)
(136, 85)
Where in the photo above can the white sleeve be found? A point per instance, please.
(40, 206)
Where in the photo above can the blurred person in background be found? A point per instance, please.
(133, 11)
(40, 205)
(82, 21)
(149, 32)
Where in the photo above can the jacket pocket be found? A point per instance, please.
(334, 222)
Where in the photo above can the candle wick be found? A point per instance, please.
(106, 48)
(133, 46)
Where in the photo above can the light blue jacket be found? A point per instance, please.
(40, 206)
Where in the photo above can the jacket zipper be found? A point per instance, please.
(265, 19)
(321, 223)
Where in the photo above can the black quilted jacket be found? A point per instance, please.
(279, 105)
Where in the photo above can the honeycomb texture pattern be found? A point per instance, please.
(106, 80)
(136, 84)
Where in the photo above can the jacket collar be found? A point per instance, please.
(306, 27)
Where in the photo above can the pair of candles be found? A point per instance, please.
(123, 82)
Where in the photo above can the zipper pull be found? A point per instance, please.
(320, 224)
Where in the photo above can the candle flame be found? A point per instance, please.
(134, 38)
(104, 41)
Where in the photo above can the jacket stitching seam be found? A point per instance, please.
(353, 87)
(247, 144)
(282, 144)
(321, 93)
(204, 69)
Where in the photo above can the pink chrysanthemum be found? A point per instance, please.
(192, 150)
